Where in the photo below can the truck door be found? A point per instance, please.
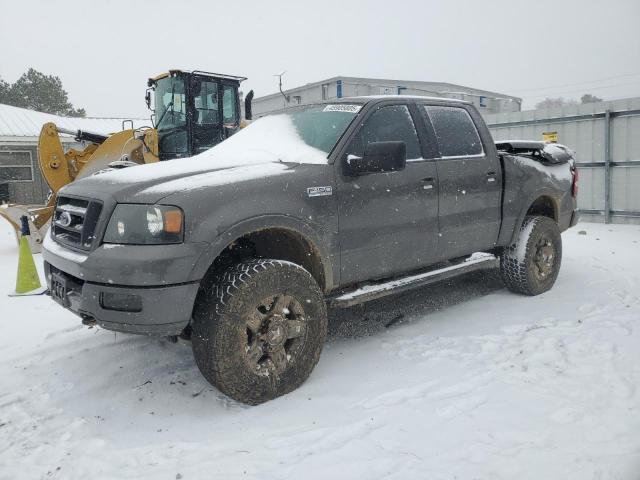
(388, 221)
(470, 183)
(206, 121)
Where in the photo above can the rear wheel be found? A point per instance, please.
(530, 266)
(258, 329)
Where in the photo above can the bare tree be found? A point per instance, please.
(556, 103)
(588, 98)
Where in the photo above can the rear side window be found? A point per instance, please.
(455, 130)
(390, 123)
(229, 104)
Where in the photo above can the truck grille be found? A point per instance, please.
(75, 221)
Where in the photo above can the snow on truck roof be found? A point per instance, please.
(364, 99)
(402, 97)
(21, 122)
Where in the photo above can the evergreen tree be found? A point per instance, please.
(36, 91)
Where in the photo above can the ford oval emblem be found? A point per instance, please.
(64, 219)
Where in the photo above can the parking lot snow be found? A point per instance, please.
(457, 380)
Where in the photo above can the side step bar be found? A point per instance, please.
(477, 261)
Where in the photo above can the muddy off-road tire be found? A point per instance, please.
(530, 266)
(258, 329)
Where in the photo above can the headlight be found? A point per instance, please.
(145, 225)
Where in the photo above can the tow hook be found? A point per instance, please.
(88, 321)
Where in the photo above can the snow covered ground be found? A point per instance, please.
(461, 380)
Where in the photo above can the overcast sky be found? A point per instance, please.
(104, 51)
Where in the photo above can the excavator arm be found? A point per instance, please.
(60, 168)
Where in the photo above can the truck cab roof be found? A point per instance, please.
(375, 98)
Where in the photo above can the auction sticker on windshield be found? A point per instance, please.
(342, 108)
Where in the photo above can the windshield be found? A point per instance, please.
(320, 126)
(171, 115)
(171, 108)
(304, 135)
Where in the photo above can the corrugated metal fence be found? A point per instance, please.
(606, 138)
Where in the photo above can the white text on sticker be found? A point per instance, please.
(342, 107)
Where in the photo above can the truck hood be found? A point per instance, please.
(270, 146)
(151, 183)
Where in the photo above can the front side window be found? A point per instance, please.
(300, 135)
(321, 126)
(390, 123)
(456, 133)
(207, 130)
(205, 101)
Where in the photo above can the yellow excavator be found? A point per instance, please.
(192, 112)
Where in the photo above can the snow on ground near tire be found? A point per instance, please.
(459, 380)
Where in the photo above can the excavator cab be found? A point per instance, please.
(193, 111)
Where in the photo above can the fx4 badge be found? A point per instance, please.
(319, 191)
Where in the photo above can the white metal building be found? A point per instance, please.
(606, 139)
(338, 87)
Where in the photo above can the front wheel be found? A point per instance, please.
(530, 266)
(258, 329)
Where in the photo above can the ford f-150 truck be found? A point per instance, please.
(242, 248)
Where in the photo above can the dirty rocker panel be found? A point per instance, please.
(400, 284)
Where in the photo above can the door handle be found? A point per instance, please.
(428, 183)
(491, 176)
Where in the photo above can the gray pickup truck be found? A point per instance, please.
(242, 248)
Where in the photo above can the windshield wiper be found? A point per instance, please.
(170, 106)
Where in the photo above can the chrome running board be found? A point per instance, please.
(373, 291)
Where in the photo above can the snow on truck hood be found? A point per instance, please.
(267, 146)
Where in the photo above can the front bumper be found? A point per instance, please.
(163, 310)
(156, 279)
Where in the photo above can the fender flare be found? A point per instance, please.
(265, 222)
(527, 205)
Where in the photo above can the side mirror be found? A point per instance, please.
(147, 99)
(379, 157)
(247, 106)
